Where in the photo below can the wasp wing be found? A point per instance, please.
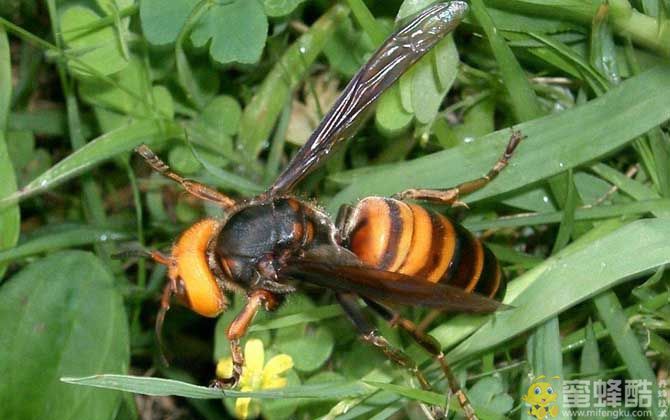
(402, 49)
(338, 269)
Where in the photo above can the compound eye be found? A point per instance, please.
(550, 391)
(197, 287)
(537, 390)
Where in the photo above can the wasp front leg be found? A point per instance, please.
(238, 329)
(451, 196)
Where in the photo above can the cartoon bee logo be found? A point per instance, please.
(541, 397)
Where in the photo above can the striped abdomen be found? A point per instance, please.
(406, 238)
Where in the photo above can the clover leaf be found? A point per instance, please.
(97, 49)
(237, 31)
(163, 20)
(275, 8)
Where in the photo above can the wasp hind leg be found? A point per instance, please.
(451, 196)
(197, 189)
(432, 346)
(371, 335)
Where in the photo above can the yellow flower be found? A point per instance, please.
(256, 375)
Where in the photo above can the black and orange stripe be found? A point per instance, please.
(406, 238)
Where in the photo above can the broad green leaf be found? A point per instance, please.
(309, 345)
(275, 8)
(112, 6)
(573, 278)
(21, 148)
(424, 86)
(182, 161)
(99, 48)
(163, 20)
(554, 144)
(147, 101)
(107, 146)
(432, 80)
(347, 48)
(237, 31)
(390, 116)
(489, 392)
(222, 114)
(260, 115)
(199, 82)
(10, 218)
(165, 387)
(60, 316)
(45, 122)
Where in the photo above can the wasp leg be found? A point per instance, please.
(432, 346)
(371, 335)
(197, 189)
(238, 329)
(451, 196)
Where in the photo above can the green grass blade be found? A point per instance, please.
(569, 139)
(576, 340)
(164, 387)
(626, 21)
(108, 145)
(566, 228)
(656, 207)
(72, 237)
(10, 218)
(573, 278)
(542, 354)
(524, 102)
(310, 315)
(367, 21)
(430, 397)
(626, 343)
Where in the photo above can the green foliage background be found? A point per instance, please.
(580, 219)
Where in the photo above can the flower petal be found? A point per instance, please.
(254, 356)
(224, 368)
(277, 365)
(242, 407)
(274, 382)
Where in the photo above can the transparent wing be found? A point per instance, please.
(402, 49)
